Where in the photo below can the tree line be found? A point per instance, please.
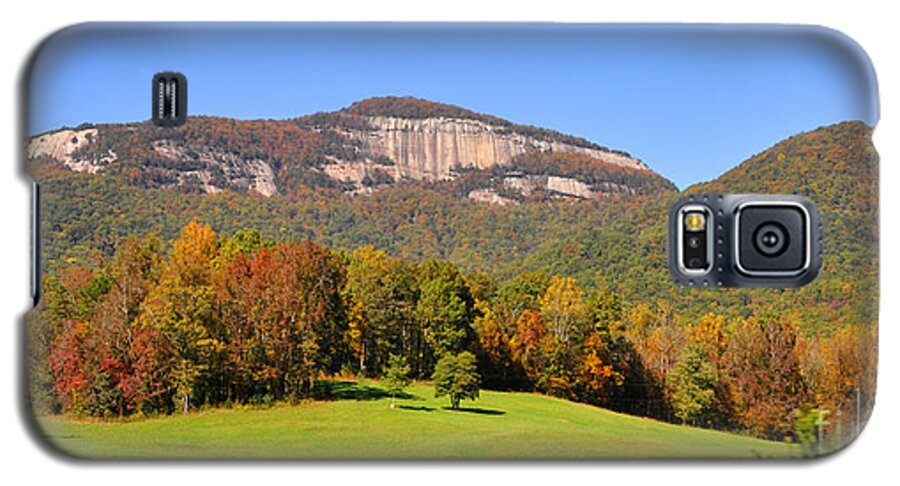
(205, 320)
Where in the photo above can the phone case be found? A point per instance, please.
(448, 241)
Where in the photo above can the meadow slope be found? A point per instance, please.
(359, 423)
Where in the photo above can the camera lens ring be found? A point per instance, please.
(771, 239)
(694, 242)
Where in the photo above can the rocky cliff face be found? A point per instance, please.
(63, 145)
(371, 145)
(436, 148)
(440, 148)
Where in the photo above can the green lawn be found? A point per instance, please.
(360, 424)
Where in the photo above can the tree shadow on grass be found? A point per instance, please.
(351, 390)
(476, 410)
(417, 408)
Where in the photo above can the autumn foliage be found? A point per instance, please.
(246, 320)
(567, 299)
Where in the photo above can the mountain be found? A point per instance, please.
(371, 144)
(836, 166)
(102, 183)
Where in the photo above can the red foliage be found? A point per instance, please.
(67, 363)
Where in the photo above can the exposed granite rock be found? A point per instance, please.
(432, 148)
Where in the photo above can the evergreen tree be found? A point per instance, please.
(692, 384)
(396, 376)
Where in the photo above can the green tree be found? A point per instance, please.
(445, 308)
(244, 242)
(604, 308)
(381, 302)
(456, 376)
(692, 384)
(518, 295)
(444, 317)
(396, 376)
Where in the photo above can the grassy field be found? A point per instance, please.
(360, 424)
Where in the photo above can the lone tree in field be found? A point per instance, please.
(396, 376)
(456, 376)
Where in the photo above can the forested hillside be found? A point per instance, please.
(232, 296)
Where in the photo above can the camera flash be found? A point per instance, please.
(694, 221)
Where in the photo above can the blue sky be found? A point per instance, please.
(690, 102)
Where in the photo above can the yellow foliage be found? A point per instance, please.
(562, 304)
(709, 332)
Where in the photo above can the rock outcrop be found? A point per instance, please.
(435, 148)
(62, 145)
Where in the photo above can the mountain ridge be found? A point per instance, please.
(371, 144)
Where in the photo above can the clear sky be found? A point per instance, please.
(690, 102)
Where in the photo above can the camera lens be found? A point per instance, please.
(695, 263)
(694, 242)
(771, 239)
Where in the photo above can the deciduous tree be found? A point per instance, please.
(764, 375)
(181, 309)
(456, 376)
(381, 296)
(562, 305)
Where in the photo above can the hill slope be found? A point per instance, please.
(499, 425)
